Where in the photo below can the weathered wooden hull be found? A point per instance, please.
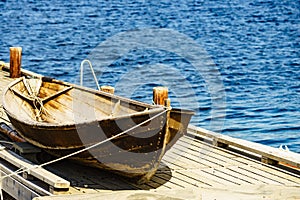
(135, 153)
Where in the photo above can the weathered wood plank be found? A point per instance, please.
(192, 161)
(206, 160)
(233, 193)
(164, 177)
(257, 175)
(205, 153)
(199, 146)
(39, 173)
(220, 177)
(231, 158)
(187, 163)
(18, 187)
(200, 177)
(157, 182)
(177, 182)
(245, 160)
(236, 172)
(217, 155)
(132, 195)
(173, 162)
(290, 158)
(278, 175)
(87, 177)
(188, 181)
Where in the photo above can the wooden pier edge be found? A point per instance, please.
(20, 188)
(257, 192)
(269, 155)
(54, 181)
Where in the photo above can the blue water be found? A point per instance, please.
(251, 91)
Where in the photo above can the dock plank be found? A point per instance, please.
(220, 177)
(238, 174)
(277, 174)
(233, 193)
(173, 162)
(38, 172)
(290, 158)
(259, 176)
(191, 161)
(228, 158)
(210, 156)
(190, 180)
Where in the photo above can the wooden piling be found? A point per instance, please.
(108, 89)
(160, 94)
(15, 62)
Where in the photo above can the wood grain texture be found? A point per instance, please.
(15, 62)
(160, 94)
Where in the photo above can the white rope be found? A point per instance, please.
(21, 170)
(6, 142)
(81, 73)
(38, 105)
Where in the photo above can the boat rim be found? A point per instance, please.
(153, 109)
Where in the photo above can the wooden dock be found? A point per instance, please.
(201, 165)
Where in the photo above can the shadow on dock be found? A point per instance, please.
(84, 177)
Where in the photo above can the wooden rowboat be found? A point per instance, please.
(62, 118)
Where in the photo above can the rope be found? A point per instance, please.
(37, 101)
(21, 170)
(40, 108)
(91, 67)
(6, 142)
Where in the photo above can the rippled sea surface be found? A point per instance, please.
(236, 63)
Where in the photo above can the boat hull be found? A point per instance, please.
(130, 144)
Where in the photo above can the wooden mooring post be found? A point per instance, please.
(160, 95)
(15, 62)
(108, 89)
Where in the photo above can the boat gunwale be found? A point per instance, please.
(153, 109)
